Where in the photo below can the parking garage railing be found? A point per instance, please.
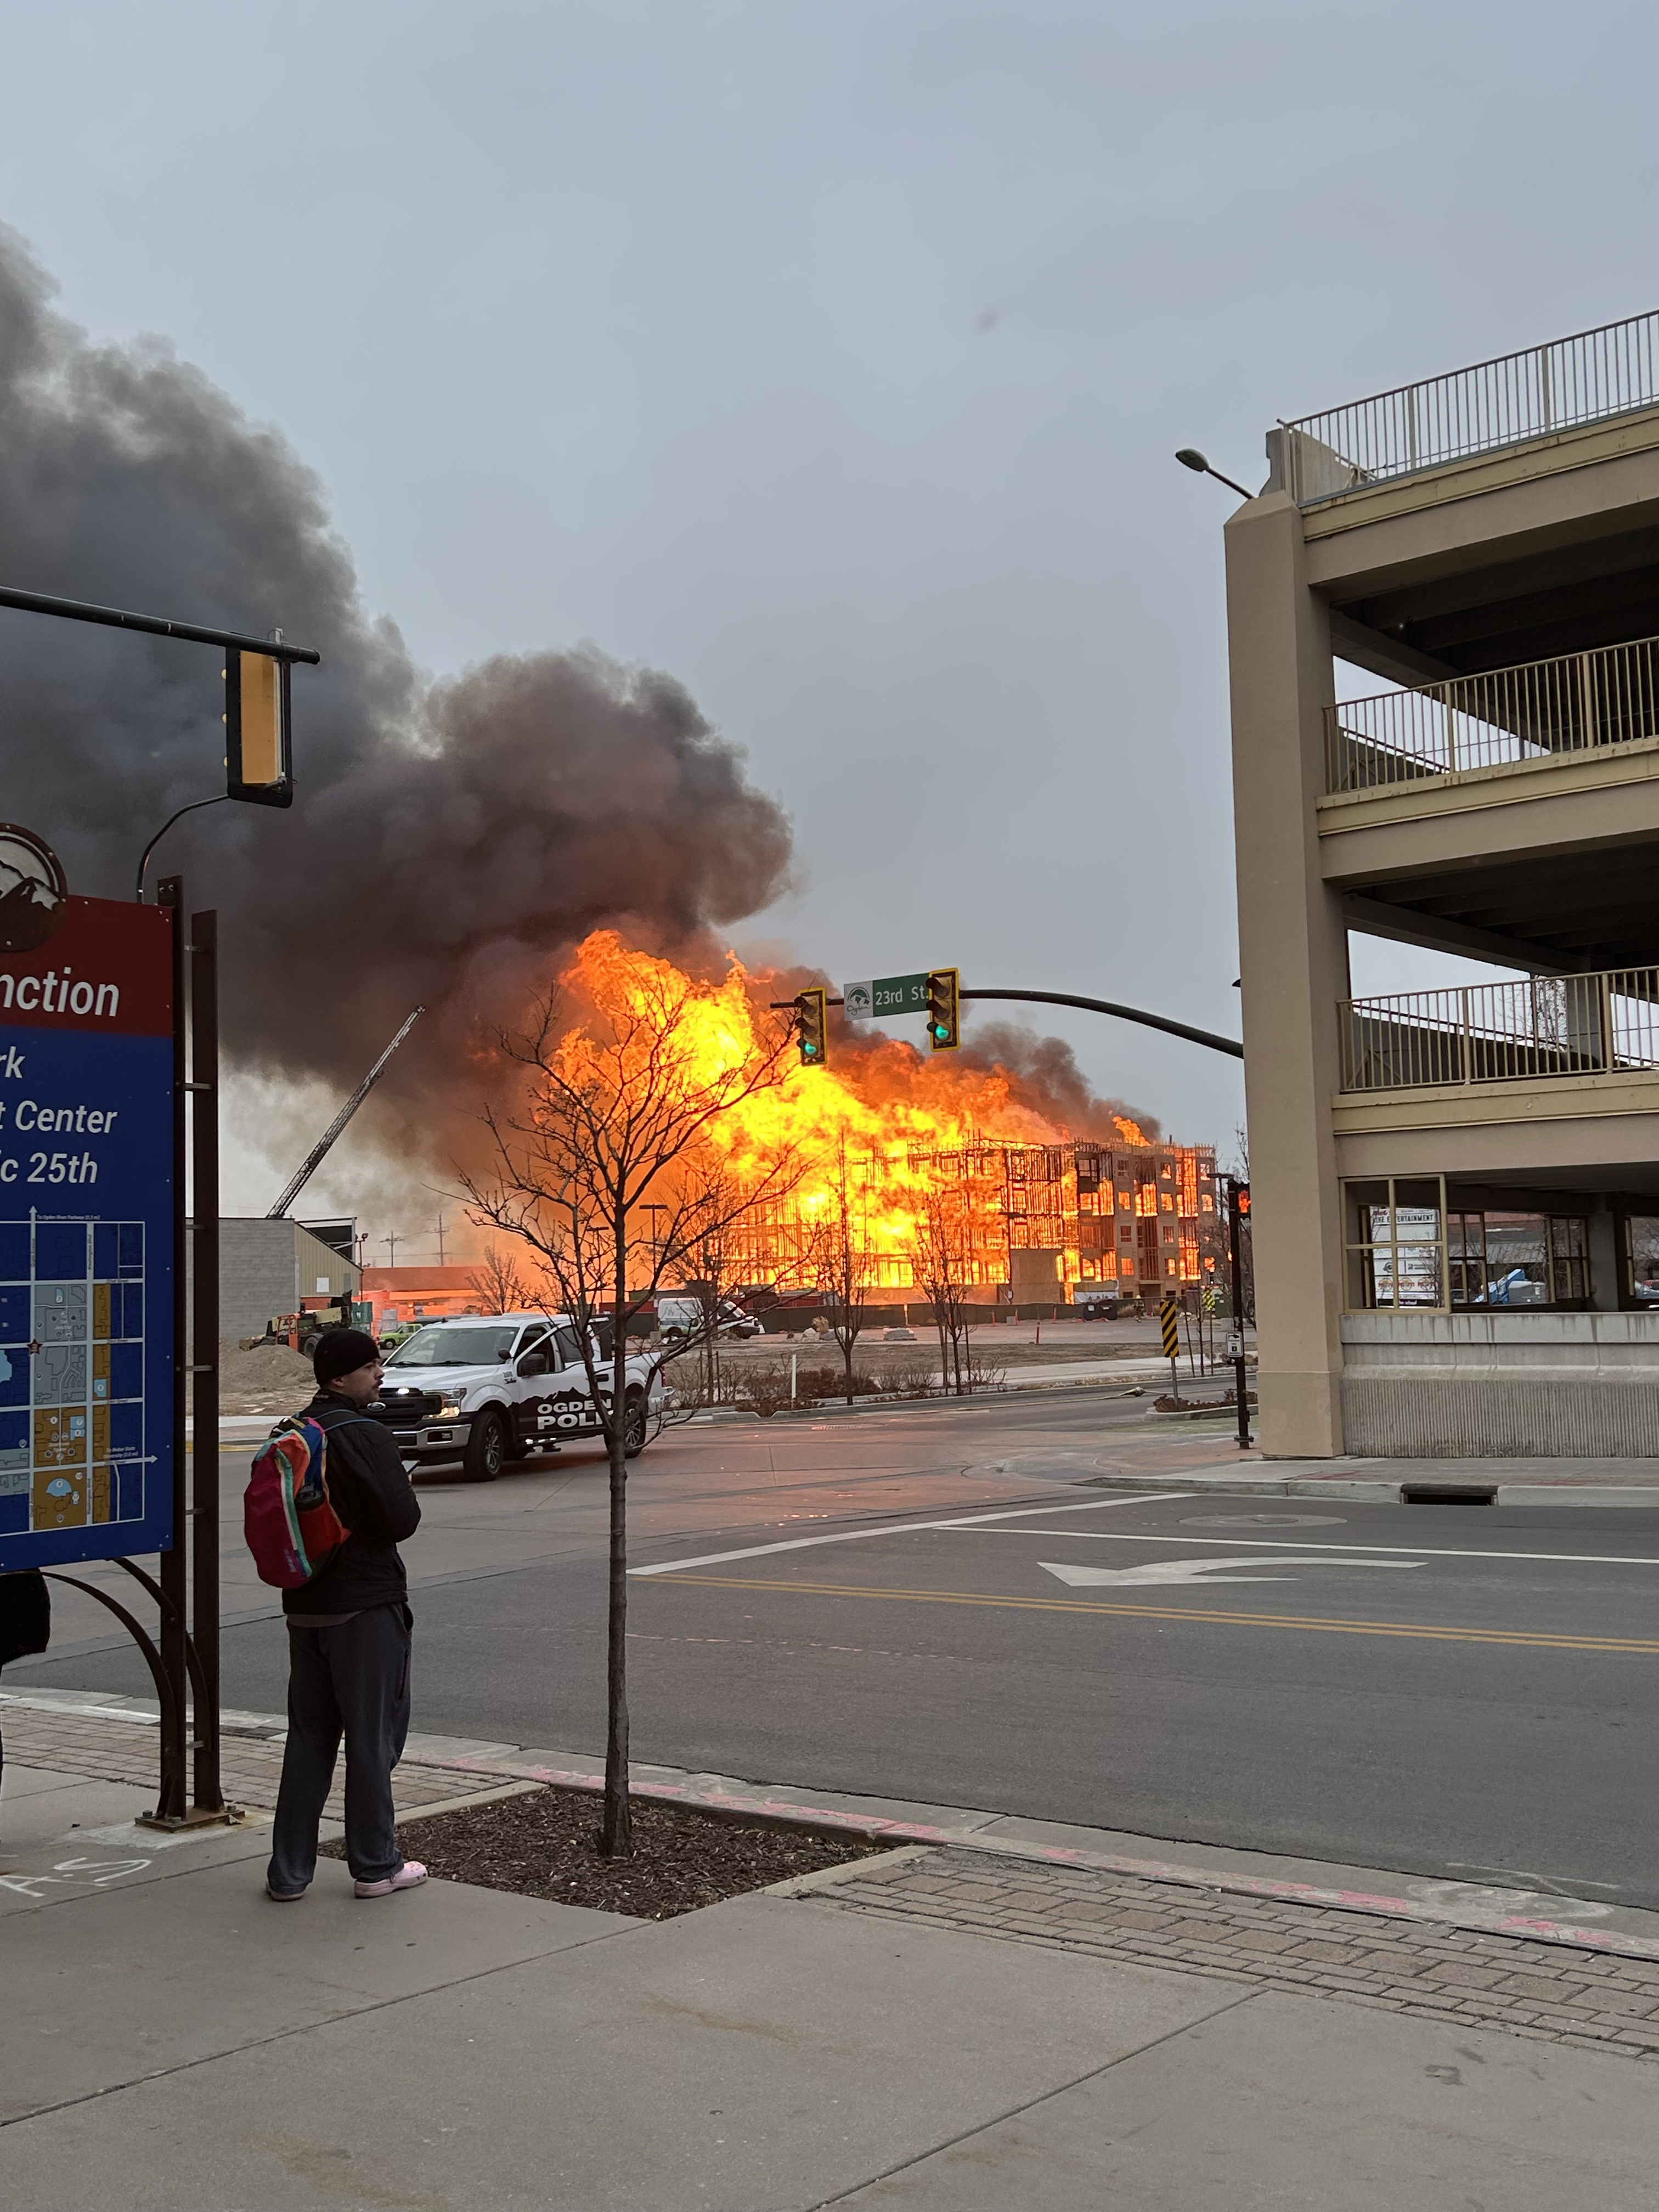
(1509, 715)
(1587, 377)
(1542, 1025)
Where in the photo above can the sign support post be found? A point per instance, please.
(208, 1795)
(170, 1802)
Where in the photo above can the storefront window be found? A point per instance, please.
(1512, 1259)
(1643, 1254)
(1396, 1249)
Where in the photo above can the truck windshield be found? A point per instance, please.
(485, 1346)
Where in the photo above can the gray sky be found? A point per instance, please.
(832, 358)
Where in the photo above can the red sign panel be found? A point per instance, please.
(107, 969)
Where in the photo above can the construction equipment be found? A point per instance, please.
(320, 1151)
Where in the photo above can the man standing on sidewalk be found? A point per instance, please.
(349, 1641)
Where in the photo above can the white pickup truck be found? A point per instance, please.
(489, 1388)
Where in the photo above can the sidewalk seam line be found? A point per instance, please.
(310, 2027)
(1030, 2104)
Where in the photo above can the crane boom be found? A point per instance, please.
(320, 1151)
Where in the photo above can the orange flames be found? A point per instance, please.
(903, 1122)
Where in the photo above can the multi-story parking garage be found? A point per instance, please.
(1456, 1191)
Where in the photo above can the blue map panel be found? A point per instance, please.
(86, 1261)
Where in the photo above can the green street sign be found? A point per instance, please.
(885, 996)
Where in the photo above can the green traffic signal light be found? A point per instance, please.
(811, 1019)
(944, 1017)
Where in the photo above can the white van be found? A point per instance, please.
(682, 1314)
(486, 1388)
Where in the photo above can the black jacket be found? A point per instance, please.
(372, 1495)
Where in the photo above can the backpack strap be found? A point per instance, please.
(329, 1427)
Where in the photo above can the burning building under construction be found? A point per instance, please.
(997, 1171)
(1031, 1223)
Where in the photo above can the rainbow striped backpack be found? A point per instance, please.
(288, 1517)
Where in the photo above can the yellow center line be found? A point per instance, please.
(1637, 1645)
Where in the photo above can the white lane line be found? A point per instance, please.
(1189, 1573)
(907, 1528)
(1286, 1544)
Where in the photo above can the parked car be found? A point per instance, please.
(1517, 1288)
(486, 1390)
(684, 1315)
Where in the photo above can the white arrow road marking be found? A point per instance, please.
(1189, 1571)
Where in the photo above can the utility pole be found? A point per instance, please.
(391, 1241)
(440, 1240)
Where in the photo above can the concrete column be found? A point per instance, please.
(1293, 956)
(1606, 1265)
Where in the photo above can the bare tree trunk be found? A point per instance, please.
(616, 1829)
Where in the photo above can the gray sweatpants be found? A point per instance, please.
(353, 1678)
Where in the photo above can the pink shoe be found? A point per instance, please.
(408, 1875)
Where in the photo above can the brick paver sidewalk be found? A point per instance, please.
(250, 1766)
(1543, 1990)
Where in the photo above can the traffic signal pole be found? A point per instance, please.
(1237, 1201)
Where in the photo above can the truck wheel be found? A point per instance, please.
(634, 1425)
(486, 1447)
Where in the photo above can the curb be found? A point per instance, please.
(498, 1770)
(1018, 1392)
(1392, 1490)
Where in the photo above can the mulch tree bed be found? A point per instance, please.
(545, 1844)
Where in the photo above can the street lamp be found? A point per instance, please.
(1190, 458)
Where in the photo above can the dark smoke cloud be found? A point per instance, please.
(450, 840)
(1043, 1073)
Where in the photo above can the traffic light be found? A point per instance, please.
(1242, 1189)
(944, 1011)
(811, 1021)
(259, 747)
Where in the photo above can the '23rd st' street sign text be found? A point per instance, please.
(883, 997)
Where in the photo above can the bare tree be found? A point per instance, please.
(940, 1249)
(611, 1116)
(500, 1288)
(839, 1257)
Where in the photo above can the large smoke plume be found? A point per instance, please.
(445, 838)
(450, 840)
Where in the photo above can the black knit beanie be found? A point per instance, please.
(341, 1352)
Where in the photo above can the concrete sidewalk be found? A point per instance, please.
(945, 2029)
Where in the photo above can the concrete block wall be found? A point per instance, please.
(266, 1267)
(1526, 1385)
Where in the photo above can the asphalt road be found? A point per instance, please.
(1465, 1690)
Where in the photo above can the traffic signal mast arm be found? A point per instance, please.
(41, 603)
(1090, 1006)
(258, 751)
(1124, 1013)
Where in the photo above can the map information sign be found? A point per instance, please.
(86, 1238)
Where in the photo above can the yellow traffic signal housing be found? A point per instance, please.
(258, 748)
(943, 1010)
(811, 1024)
